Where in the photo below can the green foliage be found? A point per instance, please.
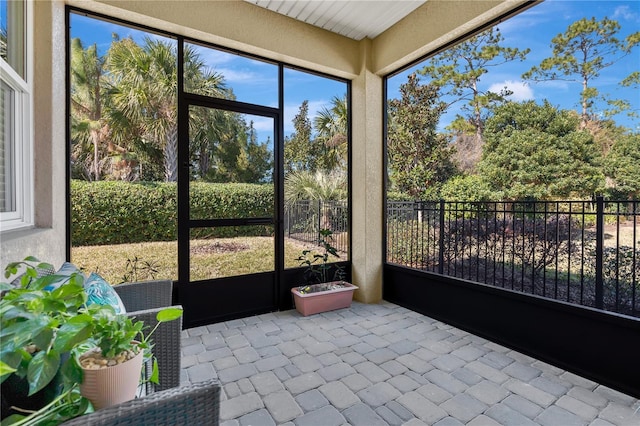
(458, 70)
(623, 166)
(581, 53)
(124, 117)
(224, 149)
(88, 126)
(327, 151)
(467, 188)
(317, 263)
(536, 152)
(397, 196)
(67, 405)
(314, 186)
(122, 212)
(43, 332)
(419, 157)
(330, 146)
(297, 147)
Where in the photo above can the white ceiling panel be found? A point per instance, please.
(355, 19)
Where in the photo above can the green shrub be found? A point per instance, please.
(109, 212)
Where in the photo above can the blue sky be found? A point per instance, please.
(256, 82)
(252, 80)
(534, 29)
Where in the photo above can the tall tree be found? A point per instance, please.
(297, 147)
(580, 54)
(259, 158)
(459, 70)
(537, 151)
(419, 157)
(88, 125)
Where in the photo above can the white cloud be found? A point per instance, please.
(557, 85)
(263, 124)
(521, 91)
(624, 12)
(238, 76)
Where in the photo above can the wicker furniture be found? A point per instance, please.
(143, 300)
(192, 405)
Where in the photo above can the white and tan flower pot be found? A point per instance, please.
(108, 386)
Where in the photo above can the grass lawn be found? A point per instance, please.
(212, 258)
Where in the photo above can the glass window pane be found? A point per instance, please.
(125, 231)
(316, 164)
(231, 158)
(7, 167)
(123, 151)
(230, 251)
(219, 74)
(12, 35)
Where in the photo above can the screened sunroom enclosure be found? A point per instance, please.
(521, 322)
(243, 186)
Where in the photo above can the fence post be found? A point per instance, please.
(441, 240)
(599, 251)
(319, 220)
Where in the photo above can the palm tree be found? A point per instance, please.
(301, 186)
(144, 93)
(331, 126)
(88, 126)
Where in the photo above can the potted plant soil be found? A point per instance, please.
(324, 292)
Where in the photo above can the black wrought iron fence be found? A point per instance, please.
(304, 219)
(581, 252)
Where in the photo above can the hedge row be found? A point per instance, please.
(110, 212)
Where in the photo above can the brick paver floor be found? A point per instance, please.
(385, 365)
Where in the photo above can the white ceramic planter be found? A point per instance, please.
(313, 302)
(112, 385)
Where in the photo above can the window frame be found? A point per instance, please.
(21, 132)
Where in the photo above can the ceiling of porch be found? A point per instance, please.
(355, 19)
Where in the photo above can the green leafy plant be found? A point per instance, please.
(45, 324)
(115, 334)
(39, 325)
(318, 269)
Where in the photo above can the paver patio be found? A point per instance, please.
(384, 364)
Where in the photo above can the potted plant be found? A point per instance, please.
(323, 291)
(111, 360)
(37, 334)
(45, 326)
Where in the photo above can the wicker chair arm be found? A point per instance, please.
(196, 404)
(166, 346)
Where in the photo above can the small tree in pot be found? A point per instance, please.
(318, 267)
(329, 291)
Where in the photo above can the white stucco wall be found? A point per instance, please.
(47, 239)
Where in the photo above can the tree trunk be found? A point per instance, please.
(171, 155)
(96, 169)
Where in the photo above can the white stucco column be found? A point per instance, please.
(367, 180)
